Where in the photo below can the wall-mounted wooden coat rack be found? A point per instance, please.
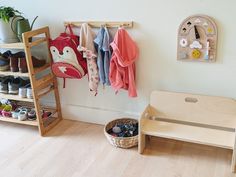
(98, 24)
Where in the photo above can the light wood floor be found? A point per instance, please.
(75, 149)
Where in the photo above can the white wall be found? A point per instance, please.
(155, 30)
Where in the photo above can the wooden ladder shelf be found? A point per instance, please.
(37, 85)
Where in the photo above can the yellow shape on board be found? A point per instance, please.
(196, 54)
(210, 30)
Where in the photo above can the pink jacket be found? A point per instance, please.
(122, 66)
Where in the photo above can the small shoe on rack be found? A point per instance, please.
(32, 115)
(23, 65)
(4, 62)
(23, 92)
(14, 85)
(14, 61)
(2, 106)
(6, 112)
(23, 115)
(29, 92)
(7, 54)
(15, 113)
(23, 88)
(4, 84)
(26, 91)
(37, 62)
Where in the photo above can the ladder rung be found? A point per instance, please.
(45, 93)
(43, 82)
(50, 109)
(38, 70)
(54, 122)
(37, 42)
(34, 33)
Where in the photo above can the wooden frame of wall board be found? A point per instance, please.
(192, 118)
(37, 84)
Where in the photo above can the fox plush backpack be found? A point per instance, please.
(68, 62)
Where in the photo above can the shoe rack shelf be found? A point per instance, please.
(19, 74)
(38, 84)
(8, 73)
(29, 122)
(19, 45)
(15, 97)
(26, 122)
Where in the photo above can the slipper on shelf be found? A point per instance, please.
(15, 113)
(32, 115)
(23, 115)
(6, 112)
(2, 106)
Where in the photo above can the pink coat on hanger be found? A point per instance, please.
(122, 66)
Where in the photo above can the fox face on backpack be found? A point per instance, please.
(68, 62)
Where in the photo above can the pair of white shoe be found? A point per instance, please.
(20, 113)
(26, 92)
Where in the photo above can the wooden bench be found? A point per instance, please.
(192, 118)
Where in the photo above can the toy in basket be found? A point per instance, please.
(122, 132)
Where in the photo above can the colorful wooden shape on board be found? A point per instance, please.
(205, 24)
(209, 30)
(183, 55)
(193, 39)
(196, 54)
(195, 45)
(197, 20)
(189, 23)
(183, 42)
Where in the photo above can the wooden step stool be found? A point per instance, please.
(198, 119)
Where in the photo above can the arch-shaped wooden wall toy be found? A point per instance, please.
(197, 39)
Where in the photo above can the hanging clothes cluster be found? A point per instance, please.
(111, 63)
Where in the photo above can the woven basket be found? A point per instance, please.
(122, 142)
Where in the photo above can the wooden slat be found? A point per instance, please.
(199, 135)
(19, 45)
(33, 33)
(207, 110)
(38, 70)
(26, 122)
(45, 93)
(15, 97)
(43, 82)
(48, 108)
(37, 42)
(233, 162)
(18, 74)
(98, 24)
(56, 92)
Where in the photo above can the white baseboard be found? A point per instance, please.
(93, 114)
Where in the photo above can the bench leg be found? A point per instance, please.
(234, 156)
(142, 143)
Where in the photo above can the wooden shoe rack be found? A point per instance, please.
(38, 83)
